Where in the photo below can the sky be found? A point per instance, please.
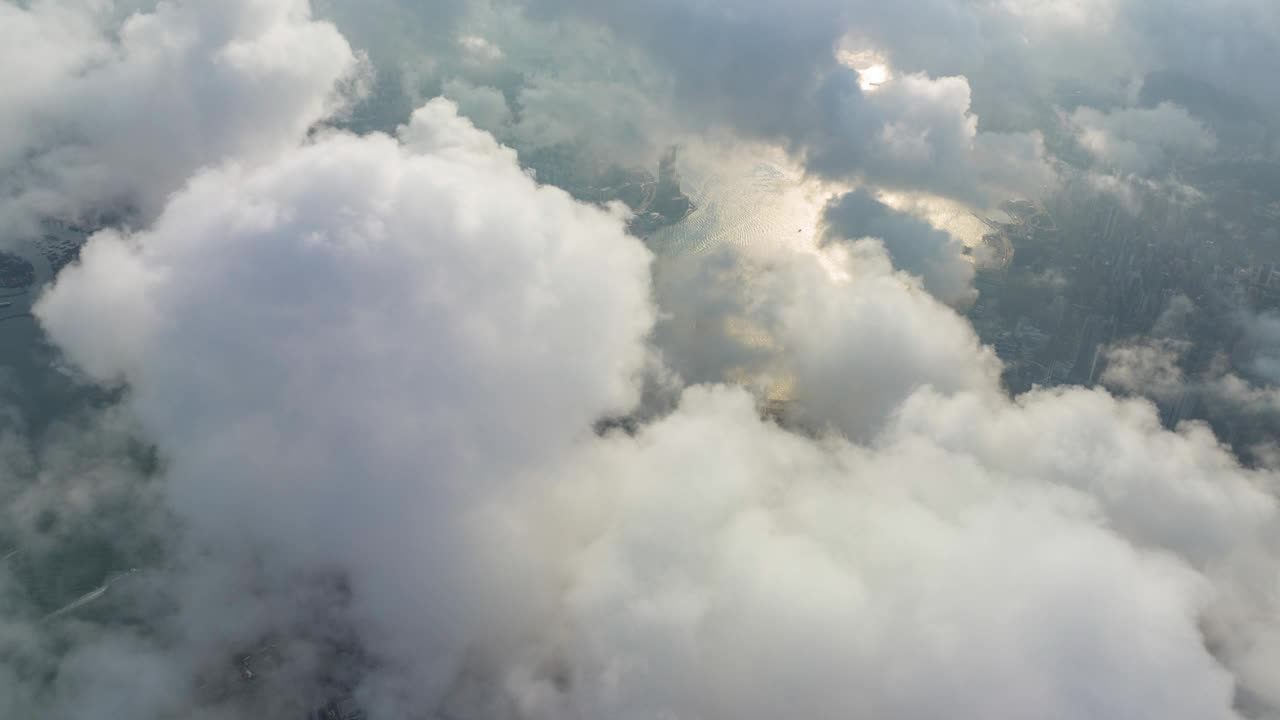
(365, 383)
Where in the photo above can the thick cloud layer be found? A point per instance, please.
(350, 352)
(1056, 556)
(380, 373)
(356, 410)
(933, 574)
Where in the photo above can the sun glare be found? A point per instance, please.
(873, 68)
(871, 78)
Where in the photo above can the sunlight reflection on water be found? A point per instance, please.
(759, 206)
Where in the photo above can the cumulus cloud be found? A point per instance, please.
(1150, 368)
(947, 570)
(1235, 391)
(105, 110)
(838, 335)
(483, 105)
(432, 321)
(775, 74)
(1141, 140)
(379, 359)
(375, 369)
(675, 68)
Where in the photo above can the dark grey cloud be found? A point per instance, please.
(1142, 140)
(774, 72)
(914, 246)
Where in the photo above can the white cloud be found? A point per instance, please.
(929, 575)
(381, 359)
(1147, 368)
(1141, 140)
(108, 111)
(485, 106)
(838, 333)
(373, 365)
(350, 352)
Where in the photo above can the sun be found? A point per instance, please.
(871, 78)
(873, 68)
